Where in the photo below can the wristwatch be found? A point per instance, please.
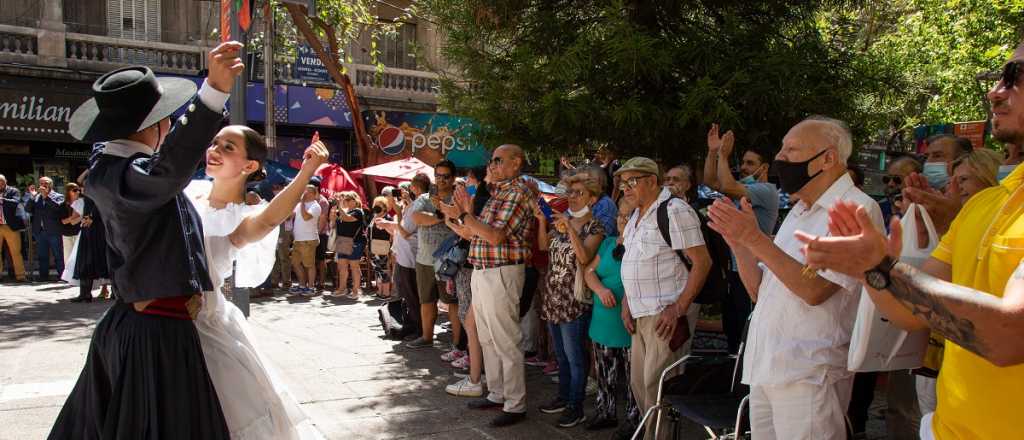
(878, 278)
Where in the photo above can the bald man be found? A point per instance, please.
(498, 252)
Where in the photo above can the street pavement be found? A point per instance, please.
(352, 383)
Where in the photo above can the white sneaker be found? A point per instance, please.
(452, 355)
(465, 388)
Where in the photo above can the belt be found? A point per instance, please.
(497, 265)
(177, 307)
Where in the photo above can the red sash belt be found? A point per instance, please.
(177, 307)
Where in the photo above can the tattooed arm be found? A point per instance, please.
(980, 322)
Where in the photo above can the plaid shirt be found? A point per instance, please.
(508, 209)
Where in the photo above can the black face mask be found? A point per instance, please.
(793, 176)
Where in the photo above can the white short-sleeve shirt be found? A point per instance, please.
(307, 230)
(790, 341)
(652, 273)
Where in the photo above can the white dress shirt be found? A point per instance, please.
(790, 341)
(652, 274)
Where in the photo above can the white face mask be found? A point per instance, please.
(582, 212)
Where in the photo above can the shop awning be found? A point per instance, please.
(395, 172)
(336, 179)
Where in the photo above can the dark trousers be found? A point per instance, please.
(860, 399)
(85, 288)
(405, 284)
(736, 307)
(48, 243)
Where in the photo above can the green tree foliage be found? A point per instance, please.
(647, 76)
(937, 47)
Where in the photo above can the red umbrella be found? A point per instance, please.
(334, 179)
(395, 172)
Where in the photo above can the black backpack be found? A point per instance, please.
(716, 283)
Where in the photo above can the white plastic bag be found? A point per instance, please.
(876, 344)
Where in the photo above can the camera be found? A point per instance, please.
(377, 210)
(396, 193)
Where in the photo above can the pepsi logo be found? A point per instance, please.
(391, 140)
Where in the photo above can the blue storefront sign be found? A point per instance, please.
(308, 67)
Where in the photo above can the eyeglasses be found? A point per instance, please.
(443, 176)
(632, 182)
(1010, 73)
(574, 193)
(896, 180)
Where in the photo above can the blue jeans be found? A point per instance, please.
(573, 359)
(47, 242)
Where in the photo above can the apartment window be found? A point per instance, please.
(395, 50)
(134, 19)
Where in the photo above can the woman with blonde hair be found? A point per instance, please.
(350, 245)
(976, 171)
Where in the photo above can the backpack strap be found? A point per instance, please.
(662, 216)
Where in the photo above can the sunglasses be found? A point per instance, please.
(443, 176)
(896, 180)
(496, 160)
(1010, 73)
(631, 182)
(574, 193)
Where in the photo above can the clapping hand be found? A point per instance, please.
(716, 142)
(855, 246)
(737, 226)
(463, 200)
(942, 208)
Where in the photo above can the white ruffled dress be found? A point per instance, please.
(256, 404)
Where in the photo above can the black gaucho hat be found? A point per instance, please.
(127, 100)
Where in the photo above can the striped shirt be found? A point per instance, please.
(652, 274)
(508, 210)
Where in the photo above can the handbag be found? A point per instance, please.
(876, 344)
(580, 291)
(344, 245)
(380, 247)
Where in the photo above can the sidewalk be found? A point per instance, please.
(351, 382)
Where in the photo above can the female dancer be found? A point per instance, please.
(255, 403)
(87, 262)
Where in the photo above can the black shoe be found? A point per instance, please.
(507, 419)
(483, 403)
(79, 299)
(599, 423)
(554, 407)
(571, 417)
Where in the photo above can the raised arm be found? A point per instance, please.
(151, 184)
(254, 228)
(711, 161)
(726, 183)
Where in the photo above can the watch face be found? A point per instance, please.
(876, 279)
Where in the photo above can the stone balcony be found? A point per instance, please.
(27, 47)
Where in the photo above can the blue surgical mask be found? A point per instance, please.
(1004, 170)
(471, 190)
(749, 180)
(936, 174)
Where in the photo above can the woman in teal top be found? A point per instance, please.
(610, 338)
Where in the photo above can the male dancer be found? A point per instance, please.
(145, 376)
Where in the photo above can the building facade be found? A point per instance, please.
(52, 50)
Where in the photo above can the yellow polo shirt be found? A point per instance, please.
(984, 245)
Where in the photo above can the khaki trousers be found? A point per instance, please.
(495, 305)
(648, 357)
(13, 240)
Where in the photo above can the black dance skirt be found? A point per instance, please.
(91, 260)
(144, 378)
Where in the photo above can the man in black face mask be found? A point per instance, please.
(796, 350)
